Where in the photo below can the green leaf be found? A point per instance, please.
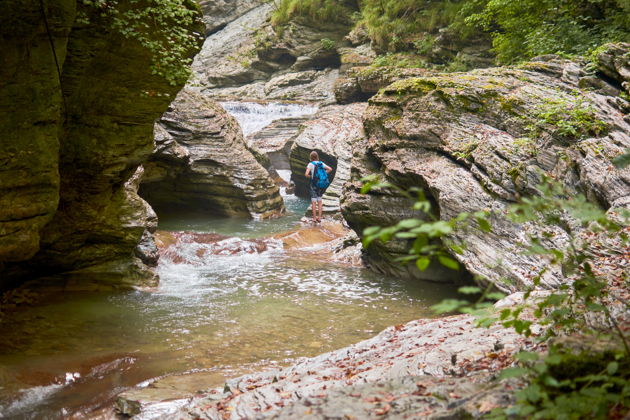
(484, 225)
(406, 235)
(554, 359)
(623, 160)
(513, 372)
(612, 368)
(469, 290)
(410, 223)
(422, 263)
(448, 305)
(448, 262)
(526, 356)
(371, 230)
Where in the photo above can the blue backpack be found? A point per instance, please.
(320, 177)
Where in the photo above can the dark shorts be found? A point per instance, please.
(315, 191)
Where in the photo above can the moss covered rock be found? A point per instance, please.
(478, 141)
(75, 130)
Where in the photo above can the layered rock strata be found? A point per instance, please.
(218, 13)
(201, 164)
(75, 128)
(248, 60)
(478, 141)
(440, 367)
(332, 133)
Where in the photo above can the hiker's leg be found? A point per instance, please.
(314, 207)
(320, 204)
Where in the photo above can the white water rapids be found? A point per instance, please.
(253, 116)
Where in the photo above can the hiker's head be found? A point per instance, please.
(314, 155)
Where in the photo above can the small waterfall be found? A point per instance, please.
(253, 116)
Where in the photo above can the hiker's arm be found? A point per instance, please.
(308, 171)
(328, 168)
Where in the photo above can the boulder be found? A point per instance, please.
(478, 141)
(75, 129)
(248, 59)
(200, 164)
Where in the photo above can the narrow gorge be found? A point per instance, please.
(158, 258)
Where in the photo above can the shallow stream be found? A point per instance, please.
(226, 315)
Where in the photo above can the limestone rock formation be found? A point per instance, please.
(475, 141)
(200, 163)
(332, 133)
(218, 13)
(438, 366)
(248, 60)
(361, 83)
(73, 136)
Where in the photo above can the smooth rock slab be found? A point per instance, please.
(388, 365)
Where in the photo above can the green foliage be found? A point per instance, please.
(163, 27)
(327, 44)
(403, 60)
(313, 11)
(519, 29)
(425, 235)
(524, 29)
(569, 118)
(398, 25)
(590, 379)
(623, 160)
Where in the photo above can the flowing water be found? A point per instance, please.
(253, 116)
(220, 315)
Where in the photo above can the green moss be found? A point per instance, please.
(465, 151)
(569, 117)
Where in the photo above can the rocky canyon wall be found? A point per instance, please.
(480, 140)
(75, 130)
(201, 164)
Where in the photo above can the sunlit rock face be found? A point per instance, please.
(201, 163)
(479, 140)
(74, 132)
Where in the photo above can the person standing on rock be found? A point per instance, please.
(315, 186)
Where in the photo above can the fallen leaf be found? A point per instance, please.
(383, 410)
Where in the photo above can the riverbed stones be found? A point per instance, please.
(201, 164)
(67, 160)
(480, 140)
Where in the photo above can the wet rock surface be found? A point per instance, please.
(476, 141)
(424, 368)
(201, 163)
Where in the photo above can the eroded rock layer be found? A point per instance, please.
(332, 133)
(75, 130)
(479, 140)
(201, 164)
